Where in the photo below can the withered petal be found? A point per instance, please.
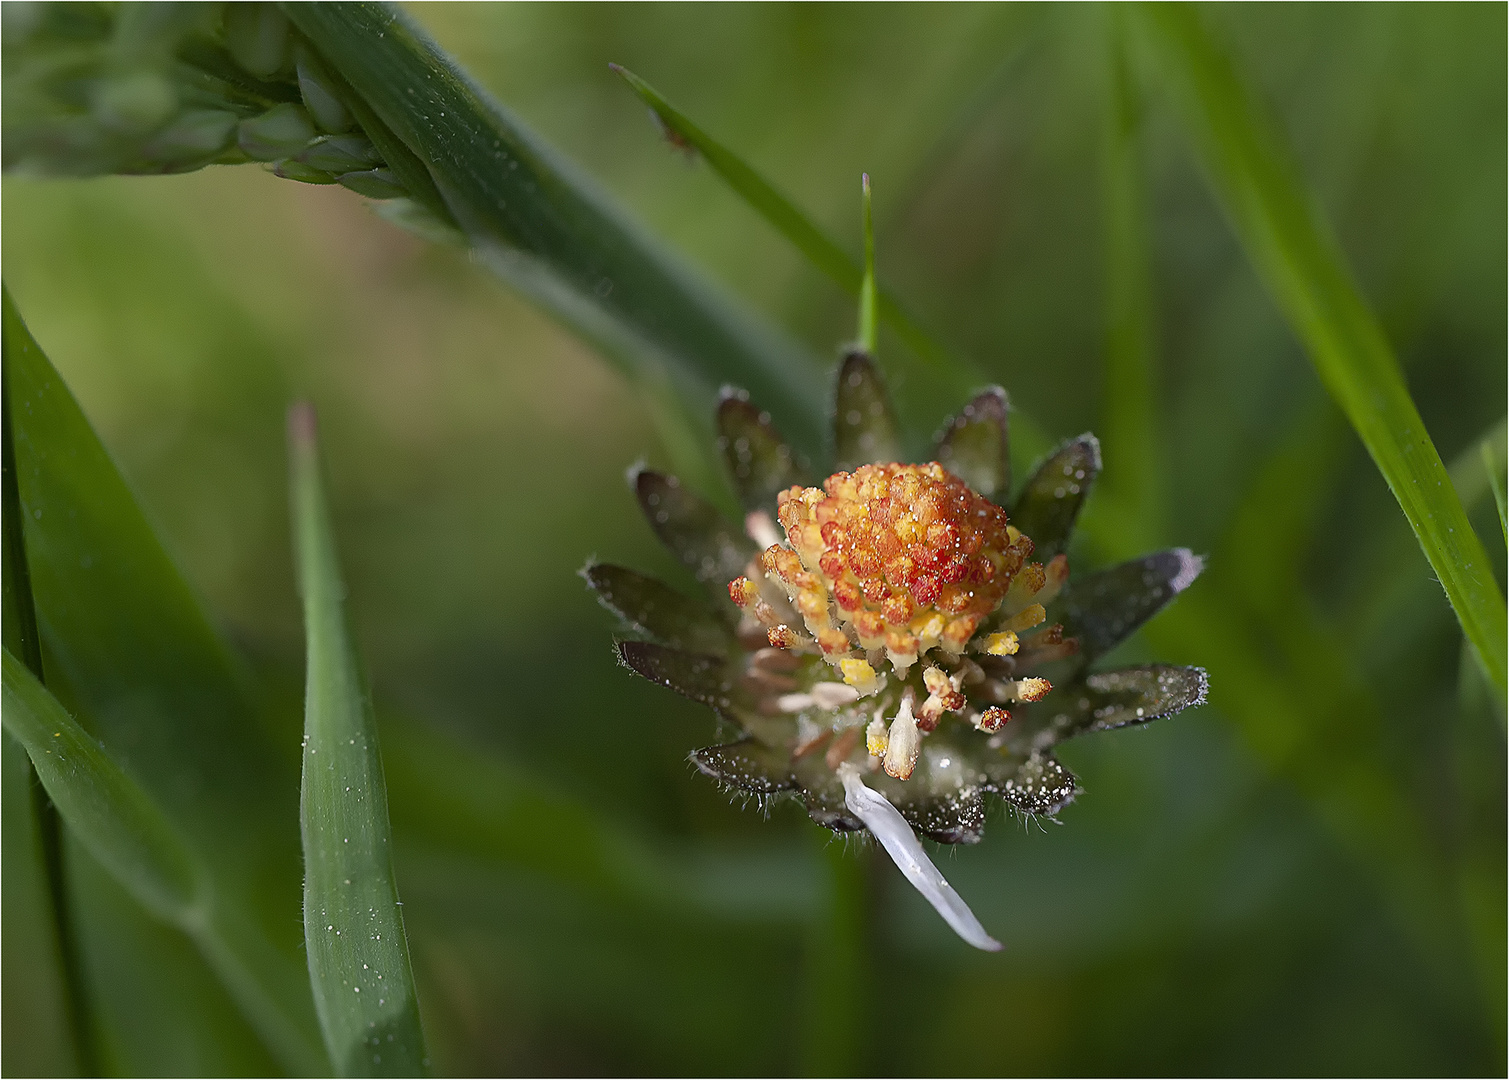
(693, 529)
(762, 463)
(702, 678)
(864, 425)
(1037, 785)
(1049, 503)
(1103, 608)
(974, 445)
(1110, 699)
(957, 818)
(747, 764)
(659, 611)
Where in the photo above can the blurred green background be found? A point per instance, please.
(1216, 902)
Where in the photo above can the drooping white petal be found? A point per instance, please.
(902, 845)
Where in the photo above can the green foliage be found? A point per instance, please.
(33, 977)
(1301, 264)
(131, 656)
(112, 816)
(576, 900)
(353, 928)
(825, 254)
(546, 232)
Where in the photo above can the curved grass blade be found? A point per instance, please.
(868, 339)
(40, 1035)
(1490, 466)
(1302, 265)
(105, 808)
(811, 241)
(1129, 424)
(51, 1032)
(541, 226)
(158, 1007)
(131, 654)
(353, 925)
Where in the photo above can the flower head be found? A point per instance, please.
(899, 632)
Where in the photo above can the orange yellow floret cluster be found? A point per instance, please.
(911, 558)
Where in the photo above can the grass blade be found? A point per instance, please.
(1129, 426)
(1490, 466)
(132, 656)
(106, 809)
(867, 334)
(353, 925)
(40, 950)
(820, 250)
(40, 1036)
(1302, 265)
(542, 227)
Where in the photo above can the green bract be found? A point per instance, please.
(786, 740)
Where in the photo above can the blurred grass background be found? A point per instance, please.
(1200, 911)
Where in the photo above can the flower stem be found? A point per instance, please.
(837, 975)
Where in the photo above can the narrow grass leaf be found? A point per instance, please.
(132, 657)
(156, 1006)
(1302, 265)
(1490, 466)
(35, 1006)
(109, 812)
(545, 229)
(867, 334)
(353, 922)
(824, 254)
(1129, 425)
(45, 1016)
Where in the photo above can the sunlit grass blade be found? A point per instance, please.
(132, 656)
(353, 922)
(1302, 265)
(1490, 466)
(867, 328)
(110, 813)
(546, 230)
(826, 255)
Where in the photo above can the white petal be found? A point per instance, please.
(901, 844)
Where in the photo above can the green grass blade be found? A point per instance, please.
(106, 809)
(1302, 265)
(1128, 430)
(820, 250)
(1490, 466)
(353, 922)
(156, 1006)
(36, 1005)
(132, 656)
(40, 951)
(867, 337)
(544, 228)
